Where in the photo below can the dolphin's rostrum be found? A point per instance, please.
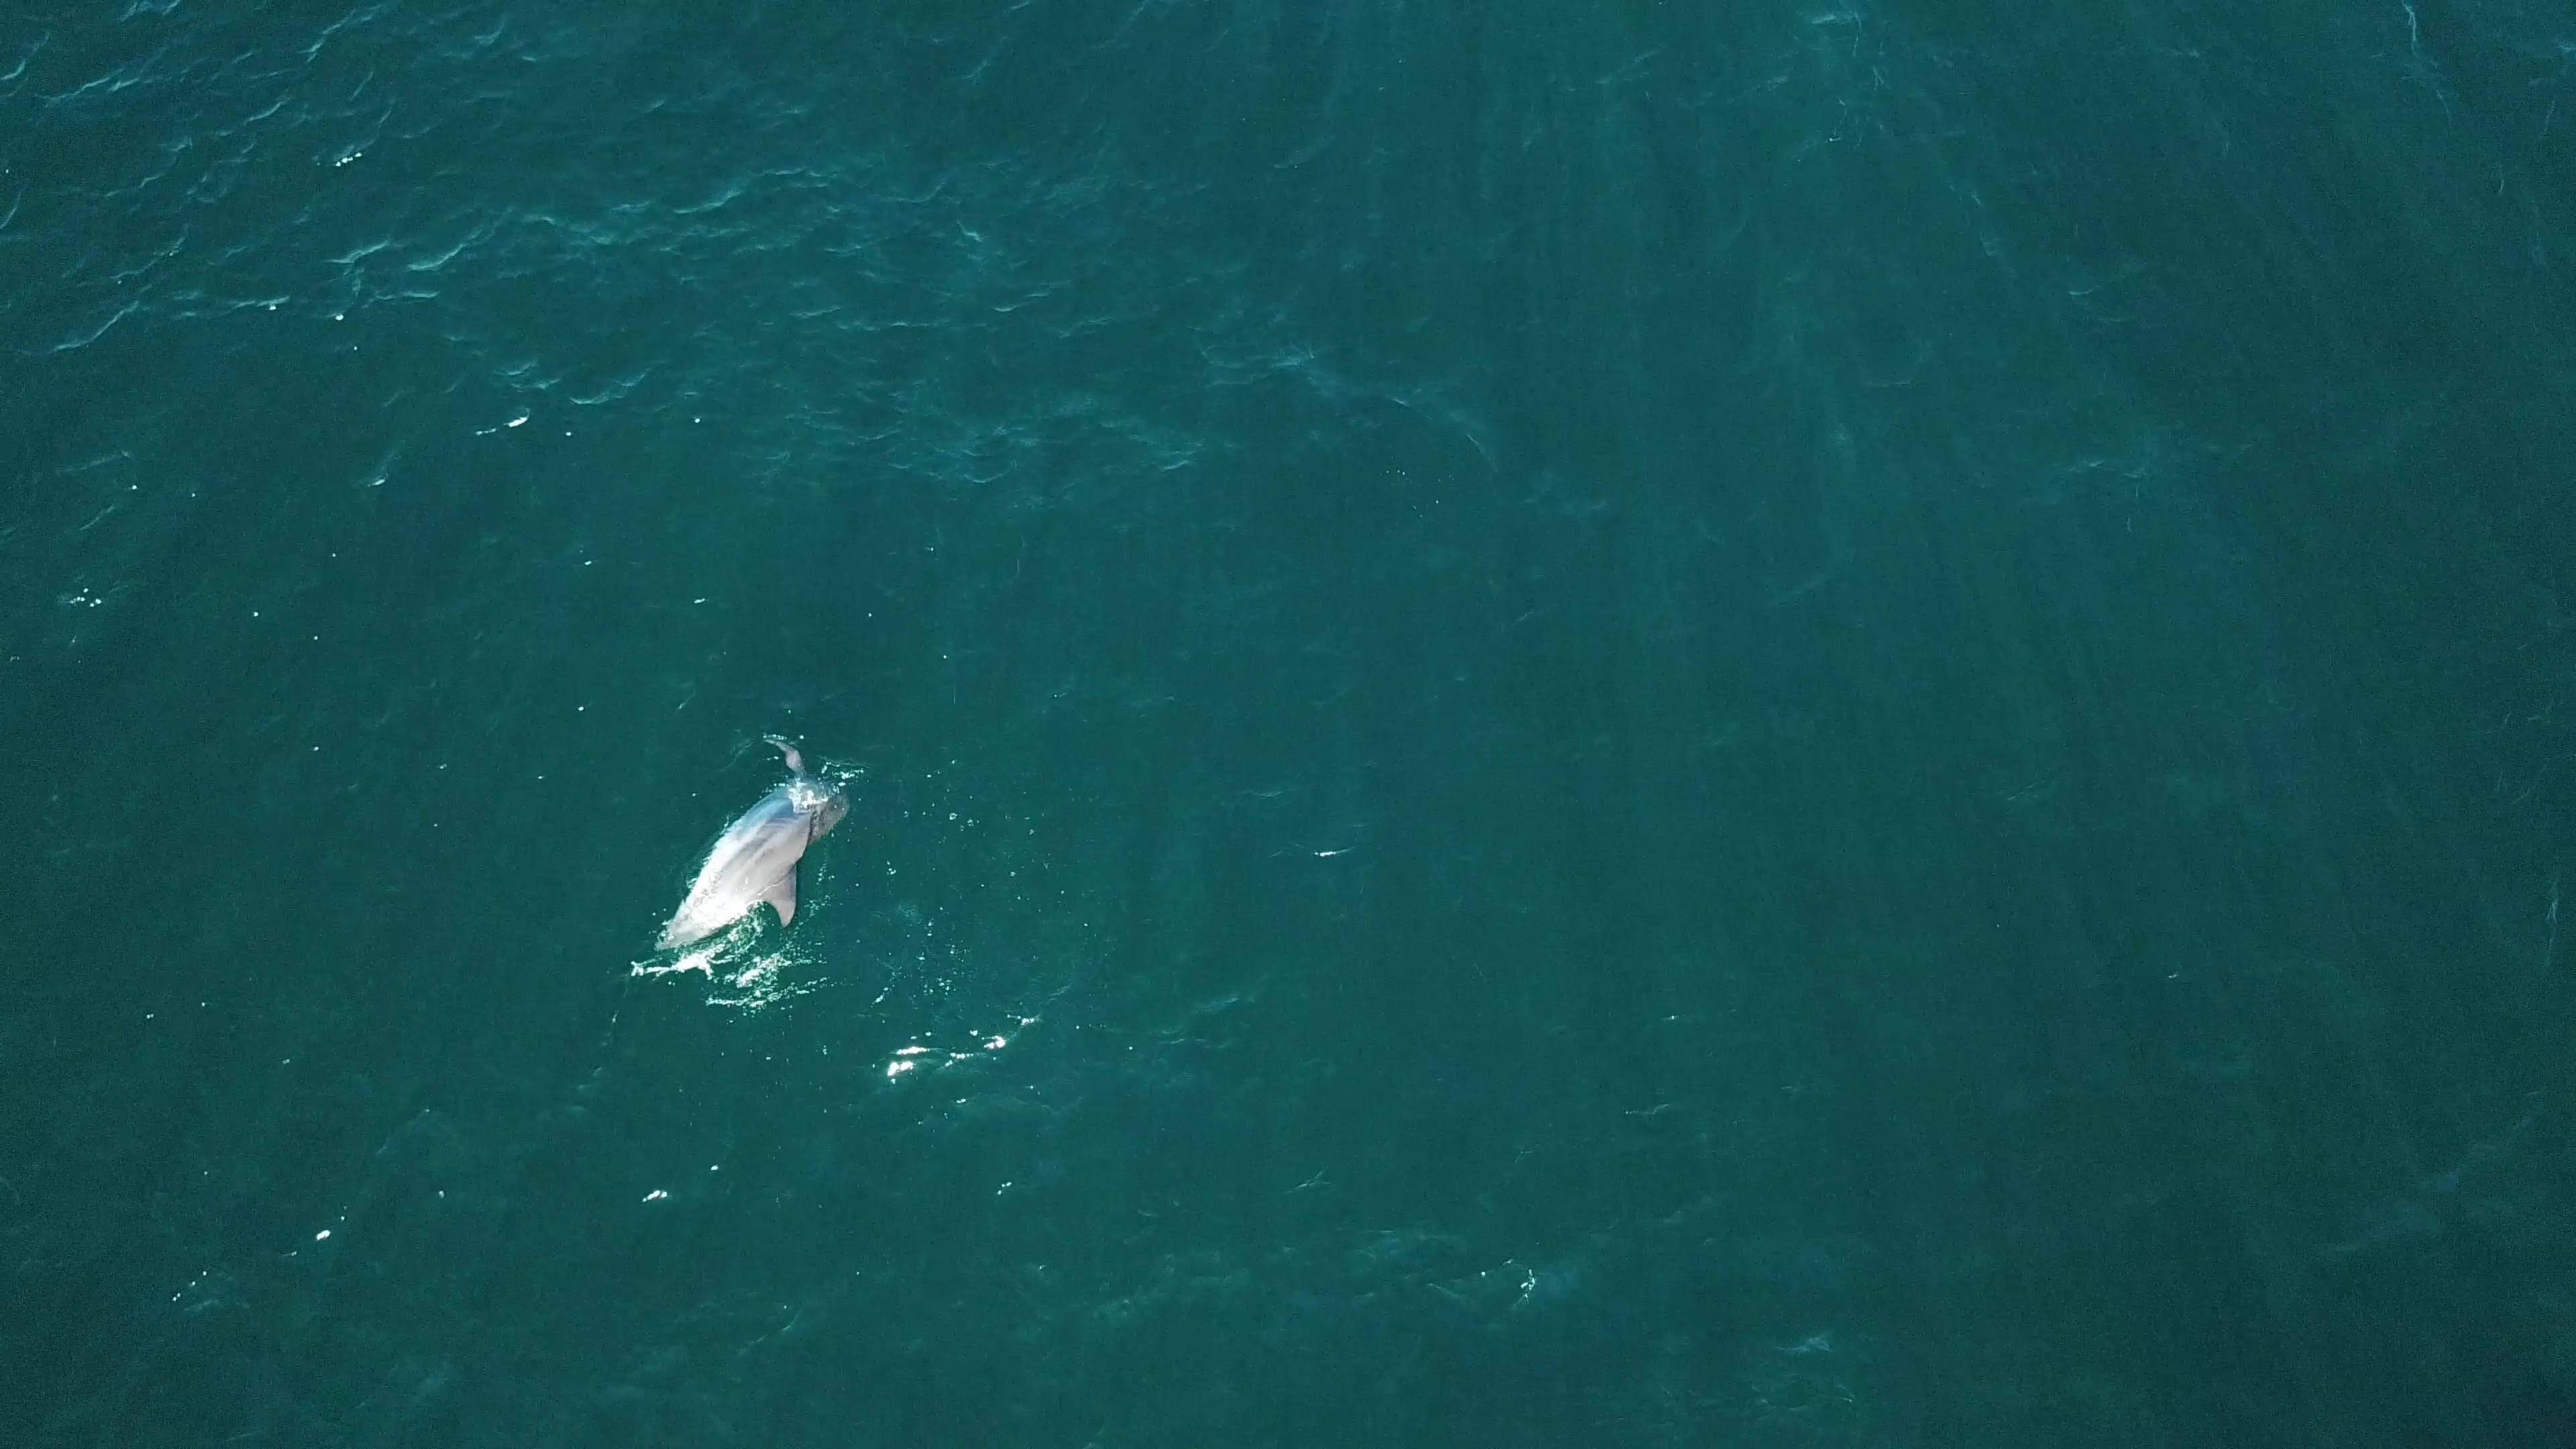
(755, 859)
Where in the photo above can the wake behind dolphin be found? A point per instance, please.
(755, 859)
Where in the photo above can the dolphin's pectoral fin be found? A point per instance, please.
(782, 896)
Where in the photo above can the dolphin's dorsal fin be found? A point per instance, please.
(795, 762)
(782, 897)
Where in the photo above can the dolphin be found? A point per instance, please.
(755, 859)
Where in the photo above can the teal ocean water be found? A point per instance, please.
(1639, 724)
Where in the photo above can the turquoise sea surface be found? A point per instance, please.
(1609, 725)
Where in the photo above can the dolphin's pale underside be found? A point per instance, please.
(755, 859)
